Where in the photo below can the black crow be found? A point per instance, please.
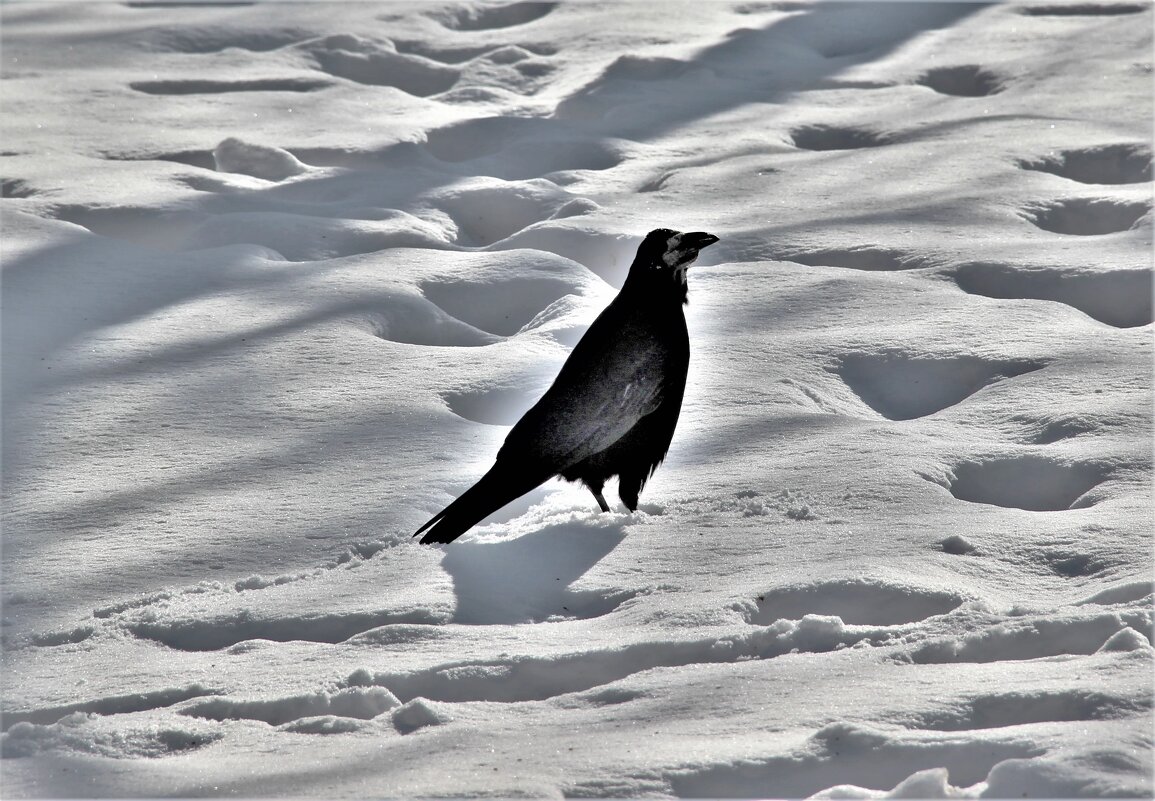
(612, 408)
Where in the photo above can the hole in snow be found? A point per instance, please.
(213, 633)
(496, 407)
(205, 86)
(865, 257)
(1052, 429)
(445, 53)
(1083, 9)
(499, 307)
(1108, 164)
(413, 75)
(1087, 216)
(997, 710)
(1072, 564)
(423, 323)
(846, 754)
(1121, 298)
(1023, 639)
(830, 137)
(166, 230)
(69, 637)
(540, 147)
(188, 3)
(14, 187)
(856, 602)
(110, 705)
(639, 68)
(193, 158)
(1034, 483)
(487, 214)
(187, 38)
(483, 18)
(902, 387)
(474, 138)
(353, 702)
(963, 81)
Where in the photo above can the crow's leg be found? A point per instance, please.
(628, 488)
(601, 499)
(594, 484)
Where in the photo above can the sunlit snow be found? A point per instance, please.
(278, 277)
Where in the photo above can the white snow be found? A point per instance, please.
(277, 277)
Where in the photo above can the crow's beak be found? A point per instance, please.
(698, 239)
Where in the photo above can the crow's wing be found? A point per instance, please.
(615, 376)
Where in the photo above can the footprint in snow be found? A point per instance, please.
(542, 147)
(966, 80)
(107, 706)
(492, 17)
(1086, 216)
(202, 159)
(1033, 483)
(870, 258)
(500, 307)
(1128, 163)
(500, 406)
(98, 736)
(214, 632)
(835, 137)
(486, 210)
(997, 710)
(144, 226)
(446, 53)
(1083, 9)
(162, 4)
(355, 703)
(375, 63)
(1118, 297)
(839, 753)
(193, 86)
(1035, 637)
(195, 39)
(855, 601)
(417, 321)
(15, 187)
(901, 386)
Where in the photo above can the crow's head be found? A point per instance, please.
(663, 258)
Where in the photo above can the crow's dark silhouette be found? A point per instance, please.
(613, 407)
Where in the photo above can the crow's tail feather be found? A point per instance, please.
(494, 490)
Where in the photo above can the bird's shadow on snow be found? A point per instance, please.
(528, 578)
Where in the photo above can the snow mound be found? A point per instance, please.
(418, 714)
(259, 161)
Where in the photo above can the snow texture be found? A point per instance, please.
(277, 277)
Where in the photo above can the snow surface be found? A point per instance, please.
(278, 277)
